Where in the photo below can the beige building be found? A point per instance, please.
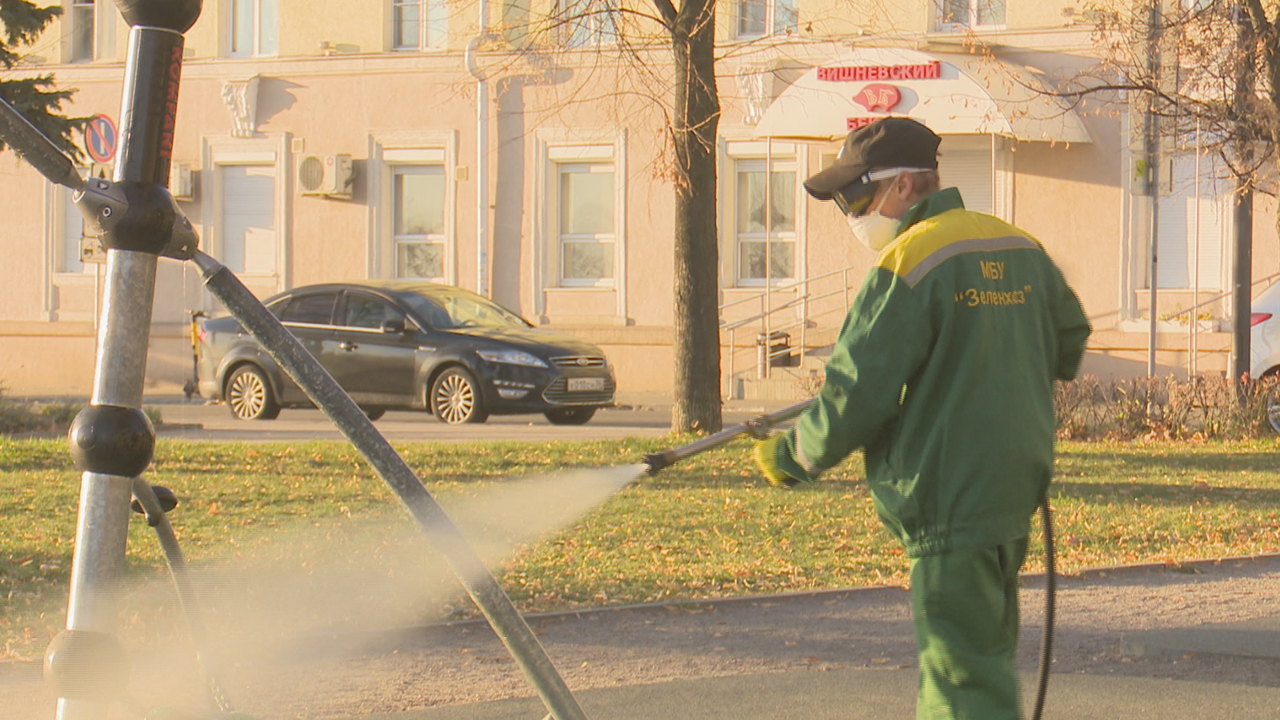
(329, 140)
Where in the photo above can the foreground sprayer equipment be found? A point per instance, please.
(757, 428)
(112, 442)
(760, 427)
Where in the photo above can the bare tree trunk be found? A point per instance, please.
(697, 322)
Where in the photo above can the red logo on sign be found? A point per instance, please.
(878, 96)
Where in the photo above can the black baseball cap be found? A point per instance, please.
(891, 142)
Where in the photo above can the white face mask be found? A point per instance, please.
(874, 229)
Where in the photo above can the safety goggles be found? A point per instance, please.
(855, 198)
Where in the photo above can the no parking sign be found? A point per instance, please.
(100, 138)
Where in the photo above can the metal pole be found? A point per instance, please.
(111, 439)
(482, 150)
(1241, 310)
(763, 367)
(1193, 332)
(1153, 176)
(1241, 302)
(482, 187)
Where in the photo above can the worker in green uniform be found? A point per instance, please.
(943, 373)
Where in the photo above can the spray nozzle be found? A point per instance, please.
(657, 461)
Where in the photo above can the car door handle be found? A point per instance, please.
(348, 346)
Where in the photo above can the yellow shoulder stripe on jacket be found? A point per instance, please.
(931, 242)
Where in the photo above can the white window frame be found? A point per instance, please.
(401, 170)
(68, 295)
(387, 151)
(998, 184)
(785, 157)
(971, 21)
(776, 164)
(775, 20)
(554, 146)
(220, 170)
(563, 238)
(1135, 259)
(1215, 204)
(100, 16)
(62, 212)
(433, 25)
(587, 23)
(272, 150)
(256, 48)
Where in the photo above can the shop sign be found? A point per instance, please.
(925, 71)
(854, 123)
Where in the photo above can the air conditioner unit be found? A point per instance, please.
(182, 185)
(329, 175)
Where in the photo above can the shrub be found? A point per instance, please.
(1090, 408)
(23, 416)
(1163, 407)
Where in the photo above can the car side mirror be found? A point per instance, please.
(393, 327)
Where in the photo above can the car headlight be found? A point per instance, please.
(512, 357)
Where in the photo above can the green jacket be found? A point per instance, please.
(943, 372)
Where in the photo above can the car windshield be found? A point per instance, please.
(460, 309)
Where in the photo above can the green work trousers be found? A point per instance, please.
(965, 607)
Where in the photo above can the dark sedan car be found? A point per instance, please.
(409, 345)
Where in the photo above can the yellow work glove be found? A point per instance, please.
(765, 454)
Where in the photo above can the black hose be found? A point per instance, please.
(1050, 590)
(150, 506)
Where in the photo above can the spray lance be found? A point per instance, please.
(760, 427)
(757, 428)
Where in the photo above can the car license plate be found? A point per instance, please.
(586, 384)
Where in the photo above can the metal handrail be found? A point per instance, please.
(769, 289)
(1218, 297)
(763, 315)
(763, 297)
(788, 286)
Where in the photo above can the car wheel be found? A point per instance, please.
(374, 413)
(1272, 400)
(249, 395)
(455, 398)
(570, 416)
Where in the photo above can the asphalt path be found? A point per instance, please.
(201, 420)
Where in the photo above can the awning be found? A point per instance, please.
(951, 93)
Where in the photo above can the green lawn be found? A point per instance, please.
(309, 537)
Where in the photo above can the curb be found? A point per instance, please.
(1167, 565)
(53, 434)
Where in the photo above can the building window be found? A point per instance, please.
(757, 18)
(969, 14)
(968, 169)
(93, 30)
(249, 241)
(585, 223)
(764, 221)
(255, 27)
(584, 23)
(418, 221)
(419, 24)
(70, 233)
(514, 22)
(1194, 224)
